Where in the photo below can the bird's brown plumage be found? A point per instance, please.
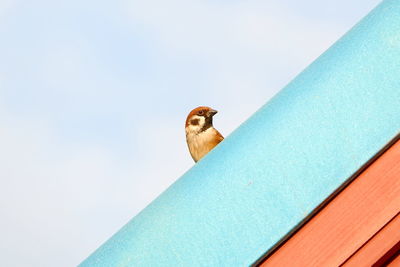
(195, 112)
(201, 136)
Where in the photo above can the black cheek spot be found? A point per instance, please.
(194, 122)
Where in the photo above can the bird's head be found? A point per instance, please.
(199, 120)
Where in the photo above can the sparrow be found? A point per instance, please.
(201, 136)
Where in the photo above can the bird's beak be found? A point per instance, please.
(212, 112)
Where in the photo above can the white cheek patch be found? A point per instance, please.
(196, 128)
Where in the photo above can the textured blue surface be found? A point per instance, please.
(264, 179)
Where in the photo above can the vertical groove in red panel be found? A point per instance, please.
(389, 257)
(377, 246)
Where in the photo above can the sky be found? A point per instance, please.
(94, 96)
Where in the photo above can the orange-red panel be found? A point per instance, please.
(376, 248)
(352, 218)
(395, 262)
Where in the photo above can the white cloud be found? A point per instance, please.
(251, 49)
(67, 66)
(5, 6)
(215, 30)
(52, 194)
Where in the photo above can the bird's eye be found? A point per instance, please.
(201, 112)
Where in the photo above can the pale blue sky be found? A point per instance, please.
(94, 95)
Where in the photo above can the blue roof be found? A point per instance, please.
(275, 169)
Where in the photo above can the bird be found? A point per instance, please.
(201, 136)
